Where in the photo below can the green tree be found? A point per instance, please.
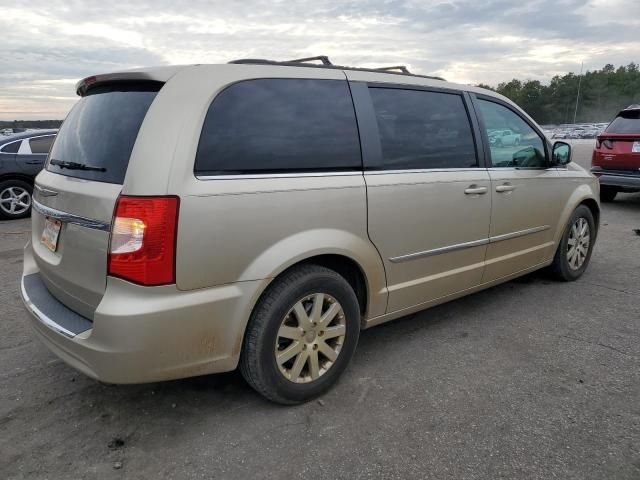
(603, 93)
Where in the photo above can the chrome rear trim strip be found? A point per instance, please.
(465, 245)
(70, 218)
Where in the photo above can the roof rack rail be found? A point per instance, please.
(400, 68)
(326, 63)
(323, 58)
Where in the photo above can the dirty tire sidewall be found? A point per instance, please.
(258, 363)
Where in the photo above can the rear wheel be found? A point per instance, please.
(607, 194)
(15, 199)
(301, 335)
(576, 245)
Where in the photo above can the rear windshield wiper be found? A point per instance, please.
(76, 165)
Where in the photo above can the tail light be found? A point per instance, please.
(143, 240)
(608, 144)
(598, 143)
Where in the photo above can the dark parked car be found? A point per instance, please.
(21, 158)
(616, 156)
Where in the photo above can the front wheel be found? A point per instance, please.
(575, 248)
(301, 335)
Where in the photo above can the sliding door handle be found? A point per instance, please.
(505, 188)
(475, 190)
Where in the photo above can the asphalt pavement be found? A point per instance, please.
(529, 379)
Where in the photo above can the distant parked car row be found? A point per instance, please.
(575, 131)
(12, 131)
(22, 156)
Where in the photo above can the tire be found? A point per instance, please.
(607, 194)
(15, 199)
(262, 341)
(562, 267)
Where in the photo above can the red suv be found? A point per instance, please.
(616, 157)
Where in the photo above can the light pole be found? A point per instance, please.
(575, 112)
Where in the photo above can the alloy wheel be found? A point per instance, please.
(15, 200)
(578, 243)
(310, 338)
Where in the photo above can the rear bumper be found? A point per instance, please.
(620, 179)
(143, 334)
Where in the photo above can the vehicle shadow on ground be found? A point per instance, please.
(627, 201)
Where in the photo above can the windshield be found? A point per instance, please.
(627, 122)
(100, 131)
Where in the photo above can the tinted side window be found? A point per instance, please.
(512, 142)
(280, 125)
(11, 148)
(41, 144)
(420, 129)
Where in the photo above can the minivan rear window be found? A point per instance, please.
(100, 132)
(627, 122)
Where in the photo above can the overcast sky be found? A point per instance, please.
(47, 45)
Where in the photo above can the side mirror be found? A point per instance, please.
(561, 153)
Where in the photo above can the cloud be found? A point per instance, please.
(46, 47)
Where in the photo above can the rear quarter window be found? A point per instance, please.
(279, 125)
(100, 131)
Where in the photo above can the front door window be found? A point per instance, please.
(512, 141)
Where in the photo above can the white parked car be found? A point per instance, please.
(503, 138)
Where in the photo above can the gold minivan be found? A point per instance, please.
(259, 214)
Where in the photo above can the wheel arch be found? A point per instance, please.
(17, 176)
(582, 195)
(350, 255)
(592, 205)
(348, 269)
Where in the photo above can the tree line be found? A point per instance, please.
(30, 123)
(603, 93)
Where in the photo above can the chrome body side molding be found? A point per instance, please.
(471, 244)
(520, 233)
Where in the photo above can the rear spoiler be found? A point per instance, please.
(158, 74)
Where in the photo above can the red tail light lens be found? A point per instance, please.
(143, 240)
(608, 144)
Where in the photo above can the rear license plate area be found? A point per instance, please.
(51, 233)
